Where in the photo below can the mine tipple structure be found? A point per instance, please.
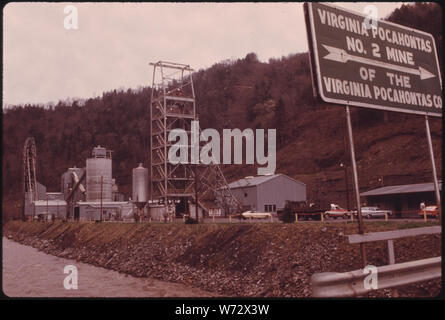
(88, 193)
(29, 175)
(91, 193)
(172, 107)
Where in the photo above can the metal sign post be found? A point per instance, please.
(356, 186)
(379, 65)
(433, 164)
(101, 196)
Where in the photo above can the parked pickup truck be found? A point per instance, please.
(373, 212)
(336, 212)
(304, 210)
(431, 211)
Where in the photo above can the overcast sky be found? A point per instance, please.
(44, 62)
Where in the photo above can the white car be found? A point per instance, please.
(373, 212)
(336, 212)
(256, 215)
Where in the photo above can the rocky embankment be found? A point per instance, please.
(259, 260)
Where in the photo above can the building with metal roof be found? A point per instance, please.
(408, 188)
(267, 193)
(49, 208)
(403, 200)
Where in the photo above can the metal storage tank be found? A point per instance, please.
(140, 184)
(100, 165)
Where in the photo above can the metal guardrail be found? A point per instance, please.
(394, 234)
(349, 284)
(390, 236)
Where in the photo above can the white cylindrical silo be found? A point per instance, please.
(140, 184)
(99, 172)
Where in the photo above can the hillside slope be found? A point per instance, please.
(243, 93)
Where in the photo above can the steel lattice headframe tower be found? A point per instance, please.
(29, 173)
(173, 107)
(214, 186)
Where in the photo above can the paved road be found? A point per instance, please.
(233, 220)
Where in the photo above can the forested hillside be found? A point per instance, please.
(234, 94)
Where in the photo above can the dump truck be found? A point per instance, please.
(303, 209)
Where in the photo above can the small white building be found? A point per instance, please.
(49, 208)
(88, 211)
(160, 212)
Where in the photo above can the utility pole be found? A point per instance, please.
(196, 191)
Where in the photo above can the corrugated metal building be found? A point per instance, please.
(268, 193)
(41, 191)
(48, 208)
(159, 212)
(110, 210)
(403, 200)
(54, 196)
(34, 207)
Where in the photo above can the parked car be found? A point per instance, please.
(336, 212)
(431, 211)
(373, 212)
(256, 215)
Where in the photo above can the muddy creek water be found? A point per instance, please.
(28, 272)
